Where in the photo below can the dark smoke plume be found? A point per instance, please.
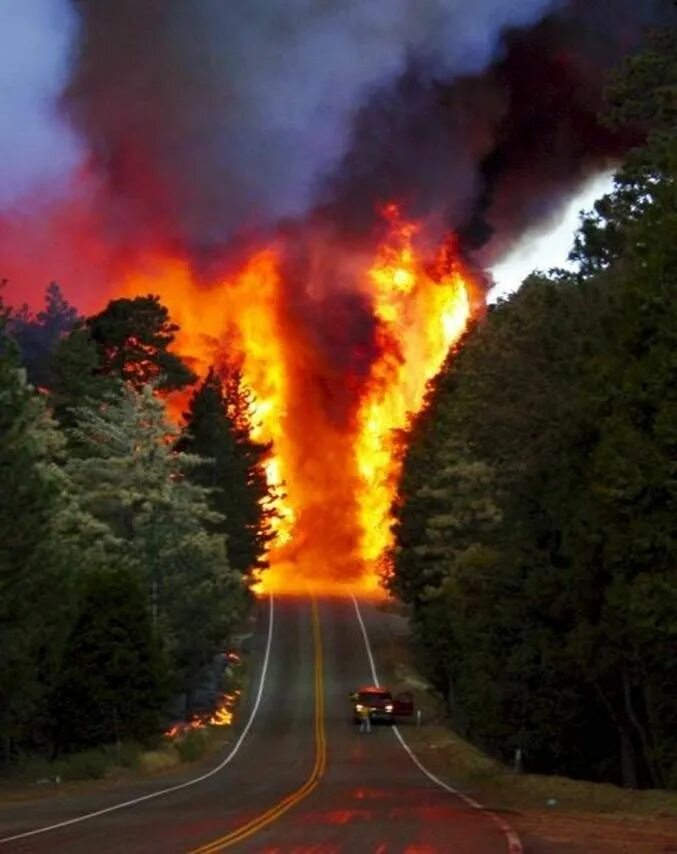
(494, 154)
(205, 118)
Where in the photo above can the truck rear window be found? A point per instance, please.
(374, 695)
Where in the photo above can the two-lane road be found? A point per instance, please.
(302, 779)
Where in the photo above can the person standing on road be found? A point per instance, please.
(365, 723)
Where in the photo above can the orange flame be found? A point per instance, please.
(335, 475)
(221, 716)
(421, 313)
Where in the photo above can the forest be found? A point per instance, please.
(535, 520)
(536, 523)
(129, 544)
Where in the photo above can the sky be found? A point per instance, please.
(546, 249)
(37, 148)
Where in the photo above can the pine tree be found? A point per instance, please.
(562, 639)
(218, 429)
(39, 335)
(127, 343)
(46, 541)
(132, 339)
(134, 480)
(112, 682)
(74, 378)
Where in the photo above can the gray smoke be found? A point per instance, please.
(207, 117)
(37, 149)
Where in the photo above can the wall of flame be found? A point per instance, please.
(335, 478)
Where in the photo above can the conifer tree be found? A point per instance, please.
(562, 640)
(38, 335)
(46, 541)
(126, 343)
(218, 429)
(132, 339)
(112, 682)
(134, 480)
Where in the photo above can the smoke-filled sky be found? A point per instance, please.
(244, 108)
(195, 122)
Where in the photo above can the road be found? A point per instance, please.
(302, 780)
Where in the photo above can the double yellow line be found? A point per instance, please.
(258, 823)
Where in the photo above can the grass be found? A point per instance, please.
(472, 771)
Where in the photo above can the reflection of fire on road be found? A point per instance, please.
(336, 344)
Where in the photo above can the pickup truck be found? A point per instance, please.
(381, 704)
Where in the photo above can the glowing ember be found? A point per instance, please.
(334, 464)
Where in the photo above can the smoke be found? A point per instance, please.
(208, 118)
(493, 154)
(36, 147)
(204, 122)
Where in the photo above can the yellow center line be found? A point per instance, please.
(278, 809)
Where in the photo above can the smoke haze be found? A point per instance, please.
(204, 122)
(37, 149)
(224, 116)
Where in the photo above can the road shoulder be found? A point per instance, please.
(551, 814)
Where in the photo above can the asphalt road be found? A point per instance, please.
(303, 779)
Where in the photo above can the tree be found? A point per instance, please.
(46, 541)
(39, 335)
(112, 682)
(126, 343)
(74, 378)
(134, 480)
(218, 429)
(132, 339)
(557, 628)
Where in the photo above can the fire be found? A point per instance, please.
(421, 314)
(334, 461)
(221, 716)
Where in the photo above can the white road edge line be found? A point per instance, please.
(185, 785)
(513, 840)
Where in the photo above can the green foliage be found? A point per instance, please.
(104, 506)
(74, 375)
(192, 745)
(535, 530)
(38, 335)
(135, 482)
(218, 429)
(111, 684)
(45, 540)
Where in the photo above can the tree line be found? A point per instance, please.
(128, 542)
(536, 519)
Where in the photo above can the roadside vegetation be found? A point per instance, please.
(536, 529)
(121, 578)
(34, 772)
(546, 810)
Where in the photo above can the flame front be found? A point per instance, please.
(334, 468)
(421, 314)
